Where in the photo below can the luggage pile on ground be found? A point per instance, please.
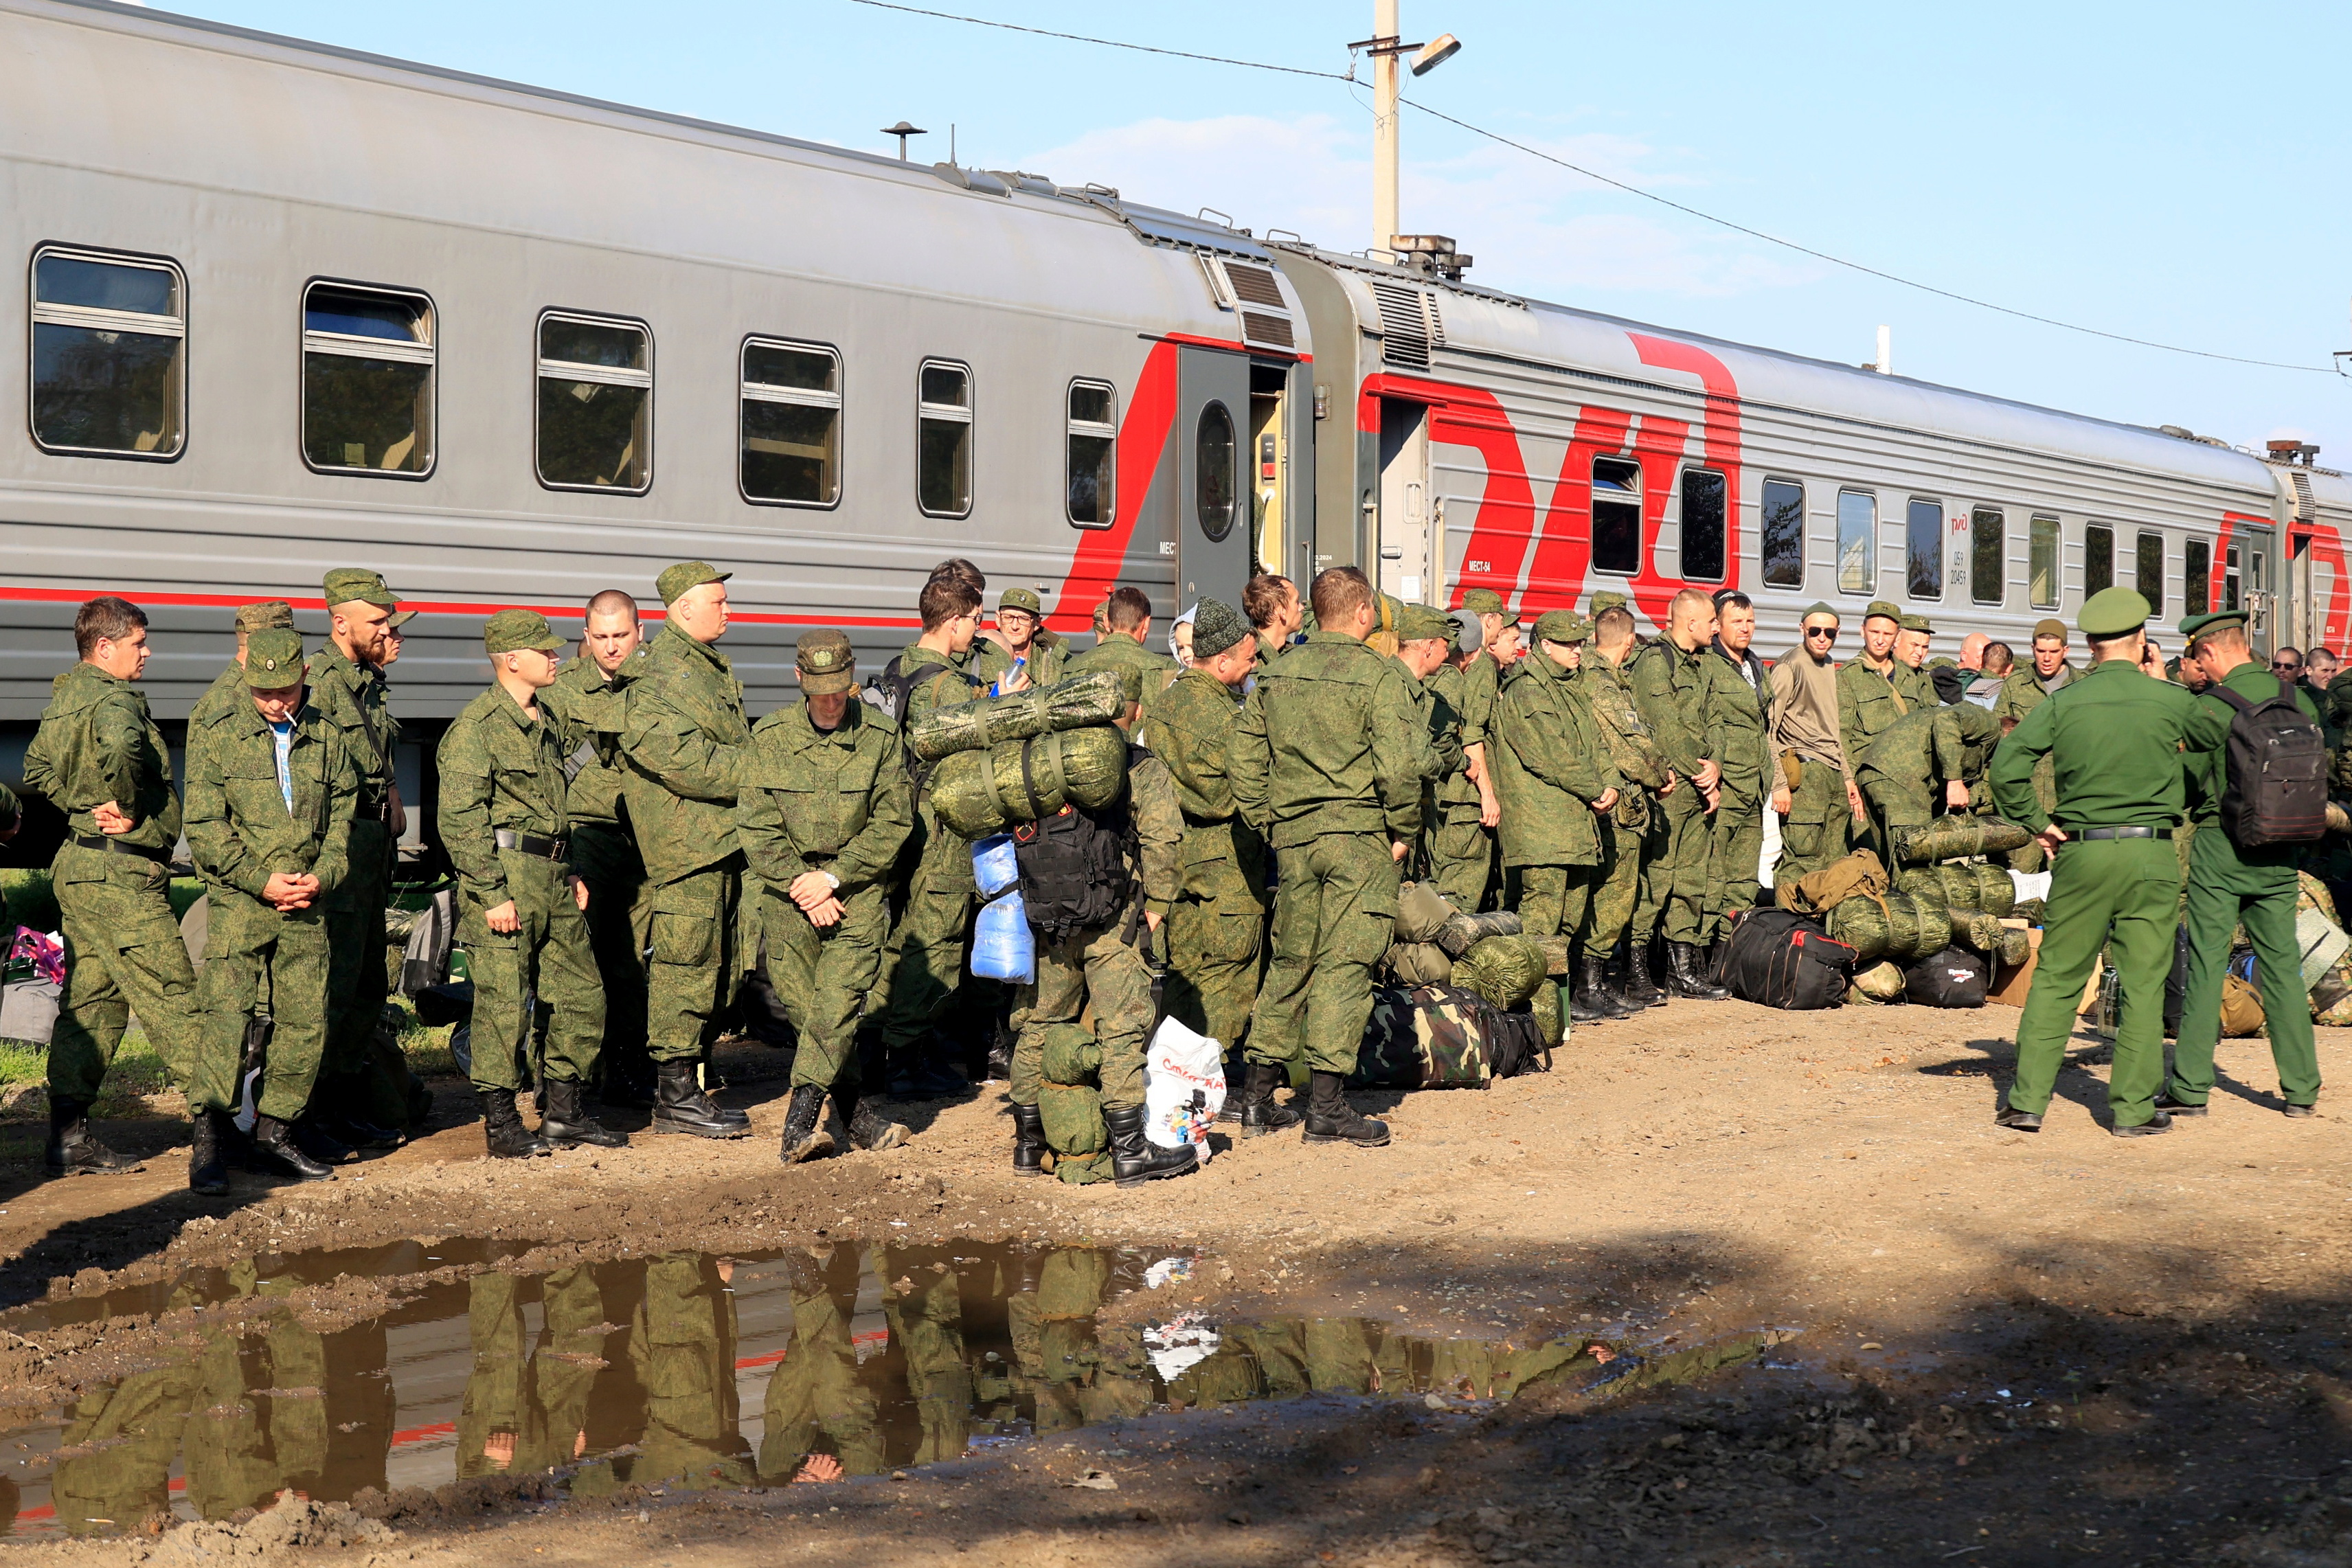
(1463, 999)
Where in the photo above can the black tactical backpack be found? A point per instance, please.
(2276, 765)
(1074, 875)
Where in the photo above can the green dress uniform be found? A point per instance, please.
(1216, 929)
(2114, 736)
(1549, 770)
(1460, 849)
(2229, 886)
(1734, 738)
(1671, 688)
(97, 743)
(1903, 770)
(593, 711)
(1639, 771)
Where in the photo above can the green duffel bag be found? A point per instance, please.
(1861, 922)
(1418, 964)
(1552, 1018)
(1956, 838)
(2016, 947)
(1978, 930)
(1934, 929)
(1881, 983)
(1421, 912)
(1090, 699)
(1069, 1054)
(1963, 894)
(1996, 891)
(1076, 1131)
(1504, 970)
(976, 793)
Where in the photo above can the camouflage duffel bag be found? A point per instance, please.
(1431, 1037)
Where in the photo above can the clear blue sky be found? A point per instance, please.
(2170, 172)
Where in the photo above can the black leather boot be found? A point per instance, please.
(1136, 1159)
(1592, 1000)
(1639, 990)
(562, 1122)
(74, 1149)
(1331, 1120)
(804, 1135)
(864, 1126)
(310, 1135)
(503, 1134)
(1260, 1113)
(710, 1075)
(681, 1107)
(274, 1143)
(1687, 977)
(627, 1084)
(207, 1169)
(1028, 1141)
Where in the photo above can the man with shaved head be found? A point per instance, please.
(1671, 690)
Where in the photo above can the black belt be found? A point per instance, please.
(556, 850)
(2124, 832)
(116, 846)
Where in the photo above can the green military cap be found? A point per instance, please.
(1217, 626)
(1562, 626)
(1021, 598)
(2112, 612)
(1485, 601)
(2049, 626)
(347, 583)
(674, 580)
(267, 615)
(826, 662)
(2196, 626)
(1415, 624)
(1879, 607)
(1608, 600)
(511, 630)
(273, 659)
(1915, 623)
(1817, 608)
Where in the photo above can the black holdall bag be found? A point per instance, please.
(2276, 763)
(1954, 978)
(1781, 959)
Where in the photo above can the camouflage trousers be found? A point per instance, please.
(1821, 829)
(925, 958)
(620, 914)
(258, 960)
(815, 1402)
(927, 1328)
(1458, 852)
(1896, 803)
(1735, 849)
(1552, 899)
(1216, 954)
(822, 977)
(1332, 915)
(1674, 893)
(1616, 887)
(682, 1348)
(694, 942)
(1099, 966)
(545, 966)
(525, 1407)
(362, 1073)
(123, 955)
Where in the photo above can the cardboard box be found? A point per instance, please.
(2010, 985)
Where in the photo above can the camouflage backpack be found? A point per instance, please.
(1431, 1037)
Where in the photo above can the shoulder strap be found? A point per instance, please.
(2242, 702)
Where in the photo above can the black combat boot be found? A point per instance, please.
(1687, 977)
(310, 1135)
(1639, 990)
(503, 1134)
(208, 1168)
(1136, 1159)
(865, 1127)
(627, 1083)
(562, 1122)
(804, 1135)
(1260, 1113)
(683, 1107)
(74, 1149)
(1331, 1120)
(274, 1144)
(710, 1075)
(1592, 1000)
(1028, 1141)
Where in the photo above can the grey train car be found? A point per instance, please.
(289, 308)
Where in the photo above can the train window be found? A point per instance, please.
(2098, 558)
(943, 463)
(595, 404)
(1616, 516)
(2229, 599)
(791, 413)
(2150, 573)
(1783, 545)
(1093, 442)
(1988, 563)
(110, 354)
(1214, 470)
(2196, 578)
(1703, 531)
(1857, 549)
(367, 381)
(1923, 527)
(2042, 569)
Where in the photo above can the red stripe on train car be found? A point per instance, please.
(1719, 448)
(1474, 417)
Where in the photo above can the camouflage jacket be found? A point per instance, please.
(1549, 768)
(1671, 689)
(1156, 855)
(1625, 736)
(2021, 690)
(98, 743)
(1930, 746)
(1439, 731)
(1195, 719)
(1734, 717)
(499, 769)
(228, 691)
(1049, 657)
(1468, 696)
(239, 828)
(354, 699)
(984, 661)
(1869, 702)
(1326, 743)
(837, 801)
(592, 714)
(683, 748)
(1119, 651)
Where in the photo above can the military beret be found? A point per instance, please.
(511, 631)
(347, 583)
(2049, 626)
(675, 580)
(1563, 626)
(273, 659)
(2112, 612)
(1608, 600)
(1217, 626)
(1025, 599)
(1817, 608)
(1419, 622)
(2196, 626)
(271, 613)
(1485, 601)
(1915, 623)
(1879, 607)
(826, 663)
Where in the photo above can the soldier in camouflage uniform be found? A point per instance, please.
(1324, 765)
(1554, 779)
(1216, 930)
(682, 1341)
(1670, 686)
(1934, 757)
(684, 747)
(826, 807)
(2024, 689)
(1642, 778)
(228, 690)
(1021, 621)
(816, 1404)
(1876, 688)
(506, 824)
(1737, 684)
(1124, 645)
(99, 760)
(1460, 841)
(1425, 639)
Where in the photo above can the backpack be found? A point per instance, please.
(1860, 874)
(1515, 1042)
(889, 690)
(1431, 1037)
(1074, 875)
(1954, 978)
(1784, 960)
(2277, 762)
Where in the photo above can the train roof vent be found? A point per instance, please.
(1255, 295)
(1406, 333)
(1254, 285)
(2305, 508)
(1266, 330)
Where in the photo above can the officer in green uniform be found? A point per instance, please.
(684, 747)
(99, 760)
(1216, 929)
(1461, 841)
(507, 826)
(1039, 654)
(1736, 686)
(1642, 778)
(1670, 688)
(2229, 887)
(228, 690)
(2115, 736)
(824, 808)
(1324, 765)
(271, 793)
(1928, 762)
(1552, 777)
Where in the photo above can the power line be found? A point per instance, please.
(1868, 271)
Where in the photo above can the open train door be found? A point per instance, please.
(1213, 501)
(2249, 562)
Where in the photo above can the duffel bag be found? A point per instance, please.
(1784, 960)
(1954, 978)
(1431, 1036)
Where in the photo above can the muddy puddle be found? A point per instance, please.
(696, 1371)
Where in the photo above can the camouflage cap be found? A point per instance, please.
(1217, 626)
(346, 583)
(1417, 623)
(1563, 626)
(1915, 623)
(1485, 601)
(1024, 599)
(1609, 599)
(267, 615)
(511, 631)
(1880, 608)
(826, 663)
(674, 580)
(2113, 612)
(2049, 626)
(273, 659)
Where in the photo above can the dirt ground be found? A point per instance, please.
(2001, 1348)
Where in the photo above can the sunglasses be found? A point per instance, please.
(2287, 667)
(1829, 632)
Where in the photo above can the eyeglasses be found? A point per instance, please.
(1829, 632)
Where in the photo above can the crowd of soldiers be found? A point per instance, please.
(628, 845)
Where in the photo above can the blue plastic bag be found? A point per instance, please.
(1001, 945)
(994, 865)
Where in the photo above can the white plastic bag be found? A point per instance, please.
(1183, 1088)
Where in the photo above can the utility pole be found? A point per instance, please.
(1385, 153)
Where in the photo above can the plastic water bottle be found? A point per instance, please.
(1001, 945)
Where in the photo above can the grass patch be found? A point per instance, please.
(31, 898)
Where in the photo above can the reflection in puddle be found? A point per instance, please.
(691, 1371)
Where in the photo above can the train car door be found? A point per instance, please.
(1213, 527)
(2250, 560)
(1408, 536)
